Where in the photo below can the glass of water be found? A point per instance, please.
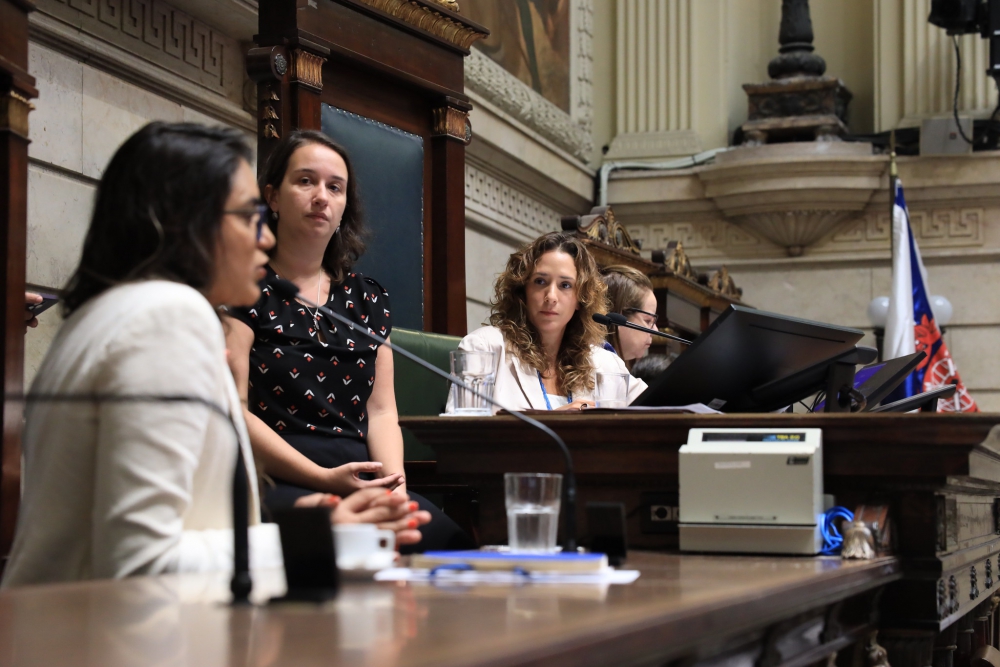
(532, 511)
(477, 370)
(611, 390)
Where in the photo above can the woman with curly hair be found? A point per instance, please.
(547, 344)
(630, 293)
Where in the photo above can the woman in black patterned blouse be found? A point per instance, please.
(321, 407)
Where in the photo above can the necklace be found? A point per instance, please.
(319, 289)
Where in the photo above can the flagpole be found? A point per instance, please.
(893, 176)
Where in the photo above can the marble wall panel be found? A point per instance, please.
(112, 110)
(56, 125)
(485, 258)
(838, 296)
(59, 209)
(976, 353)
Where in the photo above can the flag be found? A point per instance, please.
(910, 326)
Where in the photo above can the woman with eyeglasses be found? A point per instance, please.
(319, 396)
(630, 293)
(131, 442)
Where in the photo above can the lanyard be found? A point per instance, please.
(545, 394)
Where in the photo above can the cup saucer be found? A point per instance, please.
(375, 562)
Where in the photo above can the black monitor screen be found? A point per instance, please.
(745, 348)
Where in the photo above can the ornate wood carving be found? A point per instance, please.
(452, 122)
(678, 262)
(723, 283)
(602, 226)
(424, 14)
(448, 4)
(14, 109)
(306, 69)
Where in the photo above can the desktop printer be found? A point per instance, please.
(750, 490)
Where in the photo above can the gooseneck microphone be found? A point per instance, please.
(288, 290)
(241, 583)
(617, 319)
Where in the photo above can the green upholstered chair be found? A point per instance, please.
(418, 392)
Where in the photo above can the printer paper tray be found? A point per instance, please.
(753, 539)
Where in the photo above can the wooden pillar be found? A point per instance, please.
(452, 132)
(16, 89)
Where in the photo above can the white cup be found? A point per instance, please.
(364, 545)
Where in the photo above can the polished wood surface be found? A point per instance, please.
(679, 607)
(17, 87)
(938, 474)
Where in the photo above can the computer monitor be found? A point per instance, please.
(877, 381)
(743, 349)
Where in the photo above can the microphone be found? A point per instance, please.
(617, 319)
(288, 290)
(241, 583)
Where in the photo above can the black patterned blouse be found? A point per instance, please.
(305, 384)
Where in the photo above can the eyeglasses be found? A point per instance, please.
(255, 214)
(649, 319)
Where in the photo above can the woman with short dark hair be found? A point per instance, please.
(129, 460)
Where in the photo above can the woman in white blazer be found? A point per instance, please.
(548, 346)
(115, 488)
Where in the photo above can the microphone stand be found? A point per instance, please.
(615, 319)
(241, 583)
(287, 289)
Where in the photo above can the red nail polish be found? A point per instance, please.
(388, 492)
(414, 506)
(412, 523)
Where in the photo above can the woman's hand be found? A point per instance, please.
(581, 404)
(388, 510)
(344, 480)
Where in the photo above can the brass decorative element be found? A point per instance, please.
(859, 543)
(678, 262)
(452, 122)
(723, 283)
(14, 110)
(448, 4)
(602, 226)
(270, 105)
(420, 15)
(876, 656)
(307, 69)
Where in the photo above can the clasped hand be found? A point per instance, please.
(345, 480)
(388, 510)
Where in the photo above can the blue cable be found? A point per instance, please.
(832, 539)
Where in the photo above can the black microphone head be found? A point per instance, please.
(617, 318)
(284, 288)
(601, 319)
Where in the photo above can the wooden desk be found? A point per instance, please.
(790, 611)
(941, 481)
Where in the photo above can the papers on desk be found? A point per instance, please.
(445, 577)
(694, 408)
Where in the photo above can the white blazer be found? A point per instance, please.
(517, 384)
(118, 489)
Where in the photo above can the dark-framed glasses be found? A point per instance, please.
(647, 318)
(256, 214)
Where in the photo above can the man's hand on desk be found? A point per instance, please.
(388, 510)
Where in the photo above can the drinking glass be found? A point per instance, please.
(611, 390)
(532, 511)
(478, 370)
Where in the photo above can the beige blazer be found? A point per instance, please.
(118, 489)
(517, 385)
